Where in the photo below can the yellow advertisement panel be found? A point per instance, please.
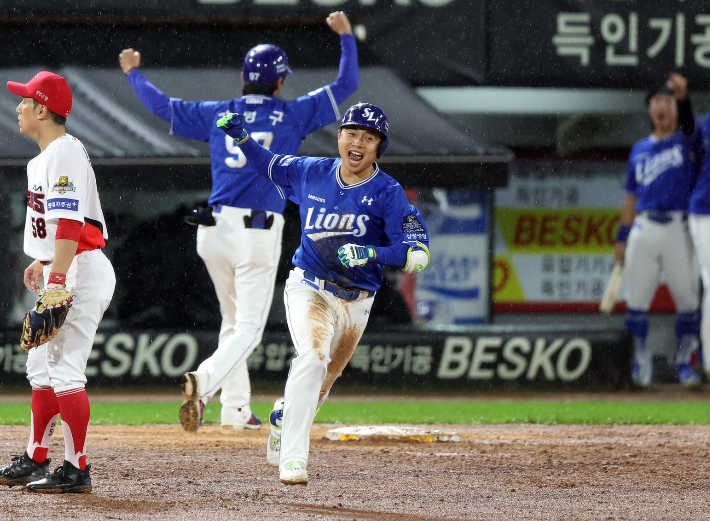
(565, 230)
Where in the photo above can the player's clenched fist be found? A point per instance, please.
(339, 23)
(352, 255)
(233, 126)
(129, 60)
(678, 84)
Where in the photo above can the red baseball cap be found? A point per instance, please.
(47, 88)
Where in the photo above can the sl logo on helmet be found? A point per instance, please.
(369, 115)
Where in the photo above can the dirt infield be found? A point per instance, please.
(501, 472)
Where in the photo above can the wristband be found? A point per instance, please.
(57, 278)
(242, 138)
(623, 233)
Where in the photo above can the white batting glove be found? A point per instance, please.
(352, 255)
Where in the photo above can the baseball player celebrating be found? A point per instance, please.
(699, 222)
(354, 219)
(64, 232)
(660, 177)
(239, 239)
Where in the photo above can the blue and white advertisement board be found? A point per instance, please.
(454, 290)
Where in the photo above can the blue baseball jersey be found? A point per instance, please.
(372, 212)
(278, 125)
(662, 173)
(700, 198)
(275, 124)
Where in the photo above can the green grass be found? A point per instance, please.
(501, 411)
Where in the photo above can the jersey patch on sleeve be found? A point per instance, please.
(413, 229)
(63, 185)
(410, 224)
(63, 204)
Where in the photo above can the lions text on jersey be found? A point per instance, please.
(372, 212)
(662, 173)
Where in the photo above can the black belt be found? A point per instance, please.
(345, 294)
(662, 217)
(258, 220)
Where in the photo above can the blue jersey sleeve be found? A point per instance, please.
(192, 119)
(630, 183)
(153, 98)
(698, 143)
(346, 83)
(404, 228)
(319, 108)
(285, 172)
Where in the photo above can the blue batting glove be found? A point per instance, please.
(352, 255)
(233, 126)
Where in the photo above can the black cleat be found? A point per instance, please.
(23, 470)
(65, 480)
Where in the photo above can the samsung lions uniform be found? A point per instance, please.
(699, 221)
(242, 250)
(662, 174)
(328, 304)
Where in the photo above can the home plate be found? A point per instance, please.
(390, 432)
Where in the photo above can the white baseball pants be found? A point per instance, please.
(653, 248)
(325, 331)
(700, 231)
(242, 263)
(60, 363)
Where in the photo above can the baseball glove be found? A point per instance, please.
(42, 323)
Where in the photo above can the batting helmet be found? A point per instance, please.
(659, 88)
(265, 64)
(371, 116)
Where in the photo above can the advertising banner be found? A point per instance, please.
(485, 357)
(454, 289)
(598, 43)
(555, 232)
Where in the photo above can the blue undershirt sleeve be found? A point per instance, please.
(154, 99)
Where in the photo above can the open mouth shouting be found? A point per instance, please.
(355, 158)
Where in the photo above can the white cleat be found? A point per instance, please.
(273, 448)
(273, 445)
(642, 369)
(294, 473)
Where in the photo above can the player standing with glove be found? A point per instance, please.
(660, 177)
(65, 231)
(354, 219)
(239, 237)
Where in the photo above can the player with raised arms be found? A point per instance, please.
(699, 223)
(354, 219)
(239, 236)
(64, 231)
(661, 174)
